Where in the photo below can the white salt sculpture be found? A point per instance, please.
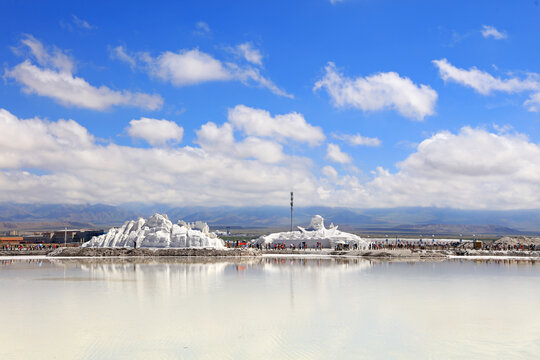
(158, 232)
(313, 234)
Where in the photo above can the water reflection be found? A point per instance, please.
(268, 308)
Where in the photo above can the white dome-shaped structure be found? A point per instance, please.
(158, 232)
(313, 234)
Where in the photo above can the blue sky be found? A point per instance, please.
(348, 103)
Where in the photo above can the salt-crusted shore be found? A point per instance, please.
(124, 252)
(410, 254)
(252, 252)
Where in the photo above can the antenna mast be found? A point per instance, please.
(291, 208)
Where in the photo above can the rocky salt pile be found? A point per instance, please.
(158, 232)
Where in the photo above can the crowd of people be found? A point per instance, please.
(515, 247)
(28, 247)
(283, 246)
(382, 245)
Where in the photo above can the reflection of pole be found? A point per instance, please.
(291, 208)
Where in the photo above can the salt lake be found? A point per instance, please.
(268, 308)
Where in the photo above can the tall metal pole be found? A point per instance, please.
(291, 208)
(65, 236)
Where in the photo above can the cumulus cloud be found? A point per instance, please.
(260, 122)
(482, 81)
(533, 103)
(220, 139)
(74, 91)
(473, 168)
(54, 58)
(120, 53)
(357, 139)
(54, 79)
(189, 67)
(334, 153)
(155, 132)
(263, 134)
(382, 91)
(491, 31)
(75, 167)
(485, 83)
(250, 53)
(329, 172)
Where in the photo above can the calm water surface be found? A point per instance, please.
(270, 308)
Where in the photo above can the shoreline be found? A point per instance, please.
(80, 252)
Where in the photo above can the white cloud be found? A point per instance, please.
(334, 153)
(73, 166)
(485, 83)
(473, 169)
(482, 81)
(249, 74)
(74, 91)
(54, 79)
(215, 139)
(248, 52)
(329, 172)
(54, 58)
(189, 67)
(202, 28)
(357, 139)
(490, 31)
(45, 161)
(82, 23)
(382, 91)
(76, 22)
(155, 132)
(533, 103)
(121, 54)
(260, 122)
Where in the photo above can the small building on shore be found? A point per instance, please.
(316, 235)
(10, 240)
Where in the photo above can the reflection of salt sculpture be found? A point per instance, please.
(314, 266)
(313, 234)
(158, 232)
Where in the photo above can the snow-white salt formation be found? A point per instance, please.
(158, 232)
(313, 234)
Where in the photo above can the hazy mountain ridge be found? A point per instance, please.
(435, 220)
(84, 214)
(429, 229)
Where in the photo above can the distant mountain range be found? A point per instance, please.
(413, 219)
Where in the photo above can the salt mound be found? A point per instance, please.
(314, 233)
(158, 232)
(521, 240)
